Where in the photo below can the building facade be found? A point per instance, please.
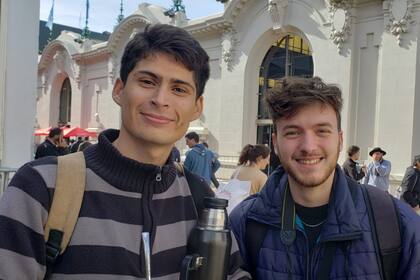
(369, 48)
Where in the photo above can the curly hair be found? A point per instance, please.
(292, 93)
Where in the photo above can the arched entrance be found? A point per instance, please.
(289, 56)
(65, 102)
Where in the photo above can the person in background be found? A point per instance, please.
(252, 160)
(378, 170)
(350, 167)
(200, 160)
(410, 185)
(54, 145)
(215, 166)
(75, 146)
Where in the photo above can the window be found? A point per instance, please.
(290, 56)
(65, 102)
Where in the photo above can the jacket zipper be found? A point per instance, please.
(158, 177)
(148, 223)
(315, 248)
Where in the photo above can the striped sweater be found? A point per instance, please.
(122, 199)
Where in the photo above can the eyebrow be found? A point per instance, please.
(158, 77)
(292, 126)
(325, 124)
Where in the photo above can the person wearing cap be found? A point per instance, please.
(411, 185)
(378, 171)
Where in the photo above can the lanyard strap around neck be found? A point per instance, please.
(288, 226)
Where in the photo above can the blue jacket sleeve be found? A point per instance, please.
(409, 267)
(215, 165)
(188, 161)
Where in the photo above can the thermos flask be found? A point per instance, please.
(209, 244)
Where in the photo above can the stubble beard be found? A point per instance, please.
(307, 182)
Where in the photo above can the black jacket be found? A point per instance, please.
(349, 168)
(411, 186)
(47, 148)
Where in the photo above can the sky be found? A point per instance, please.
(103, 13)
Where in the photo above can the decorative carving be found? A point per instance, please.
(340, 18)
(277, 10)
(77, 70)
(229, 43)
(114, 66)
(60, 60)
(398, 17)
(44, 84)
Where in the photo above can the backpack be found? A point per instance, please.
(384, 219)
(67, 201)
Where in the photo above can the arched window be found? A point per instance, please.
(289, 56)
(65, 102)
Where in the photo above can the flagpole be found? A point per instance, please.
(50, 21)
(121, 15)
(85, 33)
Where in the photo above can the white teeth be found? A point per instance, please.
(312, 161)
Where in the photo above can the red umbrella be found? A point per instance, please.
(77, 131)
(42, 131)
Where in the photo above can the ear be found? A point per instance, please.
(117, 91)
(198, 110)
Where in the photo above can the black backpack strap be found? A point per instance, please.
(52, 250)
(385, 222)
(254, 236)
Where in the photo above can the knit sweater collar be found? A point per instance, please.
(125, 173)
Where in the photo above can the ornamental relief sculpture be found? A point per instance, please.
(398, 17)
(228, 47)
(60, 61)
(277, 10)
(340, 19)
(114, 67)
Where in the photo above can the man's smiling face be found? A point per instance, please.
(309, 144)
(158, 100)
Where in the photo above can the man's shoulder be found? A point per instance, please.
(410, 221)
(240, 212)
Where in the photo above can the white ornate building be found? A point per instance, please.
(368, 47)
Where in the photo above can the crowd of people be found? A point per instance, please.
(56, 145)
(307, 220)
(377, 172)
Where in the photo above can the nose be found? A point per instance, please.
(309, 143)
(161, 97)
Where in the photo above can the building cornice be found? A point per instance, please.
(218, 24)
(83, 57)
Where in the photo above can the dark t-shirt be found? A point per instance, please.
(312, 218)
